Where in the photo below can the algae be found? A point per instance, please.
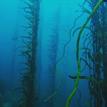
(69, 99)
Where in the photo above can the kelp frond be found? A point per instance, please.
(69, 99)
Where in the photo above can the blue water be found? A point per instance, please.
(55, 54)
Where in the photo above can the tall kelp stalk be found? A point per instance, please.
(98, 57)
(78, 57)
(97, 47)
(104, 51)
(29, 52)
(52, 57)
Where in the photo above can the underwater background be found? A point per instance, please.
(53, 53)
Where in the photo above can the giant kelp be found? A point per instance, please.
(52, 57)
(95, 51)
(68, 103)
(98, 28)
(29, 52)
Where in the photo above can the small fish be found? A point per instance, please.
(81, 77)
(88, 78)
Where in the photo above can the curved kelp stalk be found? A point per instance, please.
(69, 99)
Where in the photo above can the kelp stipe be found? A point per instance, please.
(52, 57)
(99, 45)
(69, 99)
(28, 80)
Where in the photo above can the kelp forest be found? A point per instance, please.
(56, 54)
